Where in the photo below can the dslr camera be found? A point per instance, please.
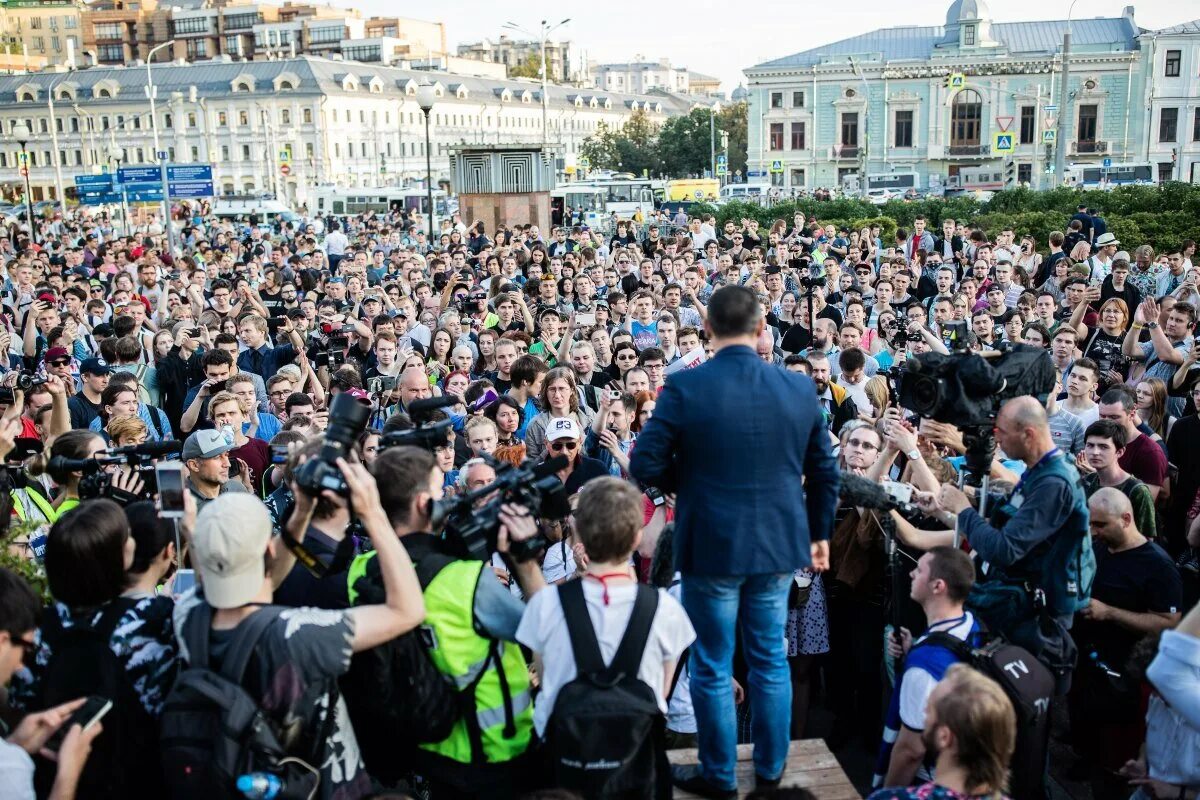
(347, 420)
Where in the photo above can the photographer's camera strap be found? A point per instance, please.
(341, 557)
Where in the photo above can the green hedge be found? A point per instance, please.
(1161, 216)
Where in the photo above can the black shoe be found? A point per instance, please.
(690, 779)
(766, 783)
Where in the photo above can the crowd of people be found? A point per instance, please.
(300, 622)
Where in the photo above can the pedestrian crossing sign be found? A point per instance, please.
(1003, 142)
(1048, 136)
(776, 166)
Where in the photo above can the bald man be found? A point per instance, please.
(1137, 591)
(1039, 535)
(414, 385)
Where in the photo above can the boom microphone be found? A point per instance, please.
(419, 409)
(864, 493)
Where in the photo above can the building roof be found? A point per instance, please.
(1183, 27)
(913, 43)
(700, 77)
(313, 74)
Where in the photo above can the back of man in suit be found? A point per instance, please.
(733, 439)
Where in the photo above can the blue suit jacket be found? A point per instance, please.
(732, 439)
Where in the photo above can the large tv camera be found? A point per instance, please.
(472, 521)
(426, 435)
(966, 389)
(97, 482)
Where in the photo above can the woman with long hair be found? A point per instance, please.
(441, 346)
(1152, 407)
(89, 552)
(644, 404)
(1103, 343)
(486, 363)
(560, 398)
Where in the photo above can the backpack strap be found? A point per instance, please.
(245, 639)
(960, 649)
(429, 565)
(628, 659)
(153, 412)
(584, 646)
(194, 633)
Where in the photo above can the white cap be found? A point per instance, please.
(228, 545)
(561, 428)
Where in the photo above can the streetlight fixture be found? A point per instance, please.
(426, 97)
(545, 31)
(22, 134)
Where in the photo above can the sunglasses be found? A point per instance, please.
(564, 445)
(59, 363)
(860, 443)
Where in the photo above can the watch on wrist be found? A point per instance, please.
(1151, 325)
(914, 454)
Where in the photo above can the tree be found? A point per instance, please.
(732, 120)
(531, 67)
(600, 149)
(686, 143)
(630, 148)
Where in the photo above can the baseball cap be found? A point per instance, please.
(561, 428)
(47, 297)
(56, 352)
(95, 366)
(228, 544)
(358, 394)
(205, 444)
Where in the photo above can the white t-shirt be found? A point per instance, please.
(543, 629)
(16, 773)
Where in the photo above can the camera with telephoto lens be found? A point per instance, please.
(97, 482)
(347, 420)
(427, 434)
(27, 381)
(471, 521)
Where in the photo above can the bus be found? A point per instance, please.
(625, 196)
(693, 190)
(978, 181)
(586, 203)
(343, 201)
(1096, 176)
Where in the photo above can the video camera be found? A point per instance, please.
(347, 420)
(472, 529)
(97, 483)
(426, 435)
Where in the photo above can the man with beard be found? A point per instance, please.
(971, 726)
(836, 404)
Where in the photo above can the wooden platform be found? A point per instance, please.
(810, 764)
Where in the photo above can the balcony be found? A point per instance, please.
(845, 152)
(1088, 148)
(968, 150)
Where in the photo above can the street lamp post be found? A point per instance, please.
(712, 137)
(1064, 96)
(863, 154)
(545, 31)
(159, 155)
(426, 97)
(117, 155)
(56, 157)
(22, 134)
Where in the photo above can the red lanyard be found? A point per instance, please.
(604, 581)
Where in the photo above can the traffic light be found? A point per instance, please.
(1010, 174)
(946, 82)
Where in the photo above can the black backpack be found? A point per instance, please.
(395, 695)
(81, 664)
(1029, 685)
(606, 736)
(214, 731)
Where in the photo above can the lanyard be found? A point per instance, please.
(603, 579)
(1054, 453)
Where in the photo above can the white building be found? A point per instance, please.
(330, 121)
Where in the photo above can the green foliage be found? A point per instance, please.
(1161, 216)
(16, 557)
(682, 146)
(531, 67)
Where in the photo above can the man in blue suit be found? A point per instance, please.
(734, 438)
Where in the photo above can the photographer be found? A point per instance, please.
(473, 621)
(1038, 537)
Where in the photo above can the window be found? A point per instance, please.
(1168, 122)
(1028, 124)
(308, 150)
(71, 23)
(243, 117)
(235, 22)
(74, 124)
(350, 149)
(39, 43)
(969, 35)
(285, 117)
(58, 124)
(797, 135)
(850, 129)
(191, 119)
(195, 153)
(43, 125)
(1196, 126)
(966, 119)
(1024, 173)
(224, 152)
(1166, 171)
(108, 30)
(245, 152)
(306, 116)
(56, 43)
(1087, 124)
(797, 177)
(326, 34)
(170, 154)
(168, 121)
(233, 44)
(197, 48)
(1171, 63)
(776, 135)
(109, 53)
(904, 129)
(35, 23)
(139, 156)
(191, 25)
(798, 102)
(222, 119)
(776, 99)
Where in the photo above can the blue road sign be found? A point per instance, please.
(189, 181)
(1107, 163)
(94, 190)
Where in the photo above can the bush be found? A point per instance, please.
(1160, 216)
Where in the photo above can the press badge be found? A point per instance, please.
(38, 545)
(429, 636)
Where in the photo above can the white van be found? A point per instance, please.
(742, 191)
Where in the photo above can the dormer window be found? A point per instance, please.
(968, 35)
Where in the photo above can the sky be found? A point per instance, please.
(716, 39)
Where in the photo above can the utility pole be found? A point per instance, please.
(1064, 108)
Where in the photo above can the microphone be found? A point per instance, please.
(62, 464)
(859, 491)
(151, 449)
(550, 466)
(417, 409)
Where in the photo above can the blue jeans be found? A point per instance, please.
(716, 605)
